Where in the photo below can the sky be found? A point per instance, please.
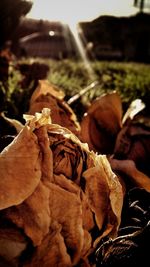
(73, 11)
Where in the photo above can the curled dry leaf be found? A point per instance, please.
(129, 173)
(53, 251)
(102, 122)
(75, 193)
(19, 161)
(133, 143)
(32, 218)
(49, 96)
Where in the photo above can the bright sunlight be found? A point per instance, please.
(73, 11)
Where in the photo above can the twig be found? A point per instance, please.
(82, 92)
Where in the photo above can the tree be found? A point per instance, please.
(11, 12)
(142, 4)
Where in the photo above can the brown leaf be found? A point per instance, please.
(105, 195)
(102, 122)
(18, 163)
(77, 193)
(133, 142)
(66, 209)
(130, 174)
(12, 244)
(52, 252)
(48, 96)
(33, 215)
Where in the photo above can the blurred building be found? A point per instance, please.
(38, 38)
(105, 38)
(119, 38)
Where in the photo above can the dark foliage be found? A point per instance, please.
(131, 247)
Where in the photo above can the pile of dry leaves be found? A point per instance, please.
(63, 184)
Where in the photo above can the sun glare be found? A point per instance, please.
(70, 12)
(73, 11)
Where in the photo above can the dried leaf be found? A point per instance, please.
(20, 169)
(133, 142)
(76, 190)
(102, 122)
(135, 107)
(48, 96)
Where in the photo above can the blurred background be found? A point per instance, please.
(111, 30)
(73, 43)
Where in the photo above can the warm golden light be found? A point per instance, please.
(71, 11)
